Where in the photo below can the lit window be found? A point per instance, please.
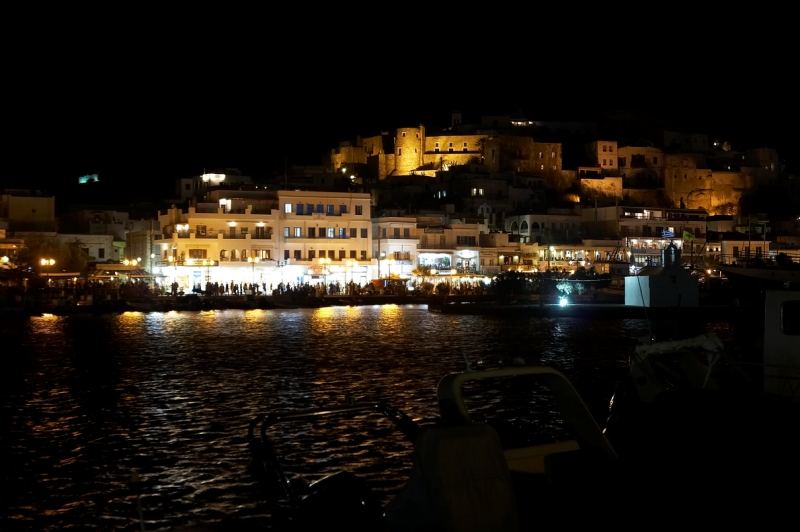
(298, 232)
(287, 208)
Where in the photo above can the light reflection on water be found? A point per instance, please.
(99, 411)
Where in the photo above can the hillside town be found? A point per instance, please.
(456, 205)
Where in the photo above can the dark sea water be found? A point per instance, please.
(138, 420)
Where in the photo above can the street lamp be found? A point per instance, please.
(208, 263)
(171, 260)
(350, 264)
(44, 263)
(325, 261)
(252, 261)
(381, 254)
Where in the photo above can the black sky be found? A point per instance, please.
(133, 107)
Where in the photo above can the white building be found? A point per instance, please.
(267, 239)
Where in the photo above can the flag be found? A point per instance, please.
(666, 233)
(688, 236)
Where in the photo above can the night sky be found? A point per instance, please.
(131, 109)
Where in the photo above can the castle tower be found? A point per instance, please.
(408, 149)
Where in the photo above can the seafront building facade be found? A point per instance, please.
(288, 237)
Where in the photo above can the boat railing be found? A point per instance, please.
(576, 414)
(263, 447)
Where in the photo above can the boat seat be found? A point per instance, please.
(533, 459)
(460, 482)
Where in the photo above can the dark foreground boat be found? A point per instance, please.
(466, 474)
(689, 437)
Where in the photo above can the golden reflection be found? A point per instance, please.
(390, 311)
(207, 316)
(131, 316)
(324, 313)
(47, 324)
(255, 314)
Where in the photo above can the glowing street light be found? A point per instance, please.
(351, 263)
(208, 263)
(171, 260)
(324, 261)
(45, 263)
(253, 261)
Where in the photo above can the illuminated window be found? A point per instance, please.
(287, 208)
(331, 232)
(298, 232)
(342, 232)
(286, 232)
